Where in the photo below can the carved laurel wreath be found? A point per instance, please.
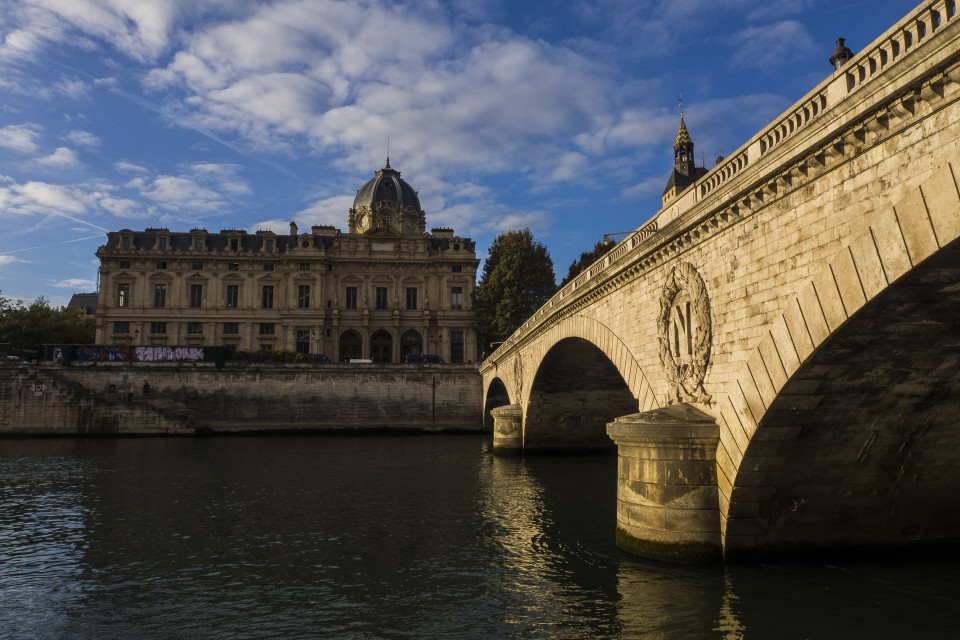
(686, 380)
(518, 377)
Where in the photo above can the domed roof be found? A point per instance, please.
(386, 186)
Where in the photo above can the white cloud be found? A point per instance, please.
(83, 139)
(20, 137)
(62, 158)
(329, 211)
(181, 194)
(8, 259)
(129, 167)
(139, 29)
(770, 47)
(74, 283)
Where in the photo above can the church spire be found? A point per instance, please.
(683, 150)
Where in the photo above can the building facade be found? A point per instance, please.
(384, 289)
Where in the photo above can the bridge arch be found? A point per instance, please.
(838, 429)
(495, 395)
(586, 378)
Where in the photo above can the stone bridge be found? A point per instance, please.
(776, 352)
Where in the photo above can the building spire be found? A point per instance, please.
(388, 153)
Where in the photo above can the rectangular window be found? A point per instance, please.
(161, 264)
(126, 243)
(159, 295)
(457, 268)
(198, 244)
(351, 298)
(196, 296)
(162, 244)
(456, 346)
(269, 246)
(381, 298)
(234, 244)
(233, 266)
(303, 296)
(231, 328)
(194, 328)
(456, 297)
(233, 296)
(304, 266)
(158, 328)
(197, 266)
(411, 298)
(266, 296)
(121, 327)
(303, 341)
(268, 266)
(266, 328)
(124, 264)
(123, 294)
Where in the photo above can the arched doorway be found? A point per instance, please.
(381, 346)
(410, 343)
(351, 345)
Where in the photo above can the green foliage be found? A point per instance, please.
(26, 328)
(517, 279)
(586, 259)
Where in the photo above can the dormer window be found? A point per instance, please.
(126, 243)
(198, 243)
(162, 243)
(269, 245)
(234, 244)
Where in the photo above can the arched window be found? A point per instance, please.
(411, 342)
(351, 345)
(381, 346)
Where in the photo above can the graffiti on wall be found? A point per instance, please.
(160, 354)
(98, 353)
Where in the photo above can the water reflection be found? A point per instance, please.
(428, 537)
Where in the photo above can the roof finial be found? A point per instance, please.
(388, 153)
(680, 104)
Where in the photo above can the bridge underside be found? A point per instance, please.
(862, 445)
(577, 390)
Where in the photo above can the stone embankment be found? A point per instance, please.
(186, 399)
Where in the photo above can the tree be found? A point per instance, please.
(517, 279)
(26, 328)
(587, 258)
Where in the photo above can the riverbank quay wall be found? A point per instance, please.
(141, 399)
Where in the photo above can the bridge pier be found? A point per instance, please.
(508, 429)
(667, 498)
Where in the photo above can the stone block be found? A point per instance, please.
(890, 244)
(869, 268)
(828, 294)
(773, 362)
(915, 225)
(943, 203)
(812, 314)
(848, 282)
(797, 327)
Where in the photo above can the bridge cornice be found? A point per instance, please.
(873, 98)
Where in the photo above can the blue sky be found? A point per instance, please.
(554, 115)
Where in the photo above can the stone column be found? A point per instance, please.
(507, 429)
(667, 498)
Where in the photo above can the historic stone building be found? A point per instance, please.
(384, 289)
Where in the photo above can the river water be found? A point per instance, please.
(389, 537)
